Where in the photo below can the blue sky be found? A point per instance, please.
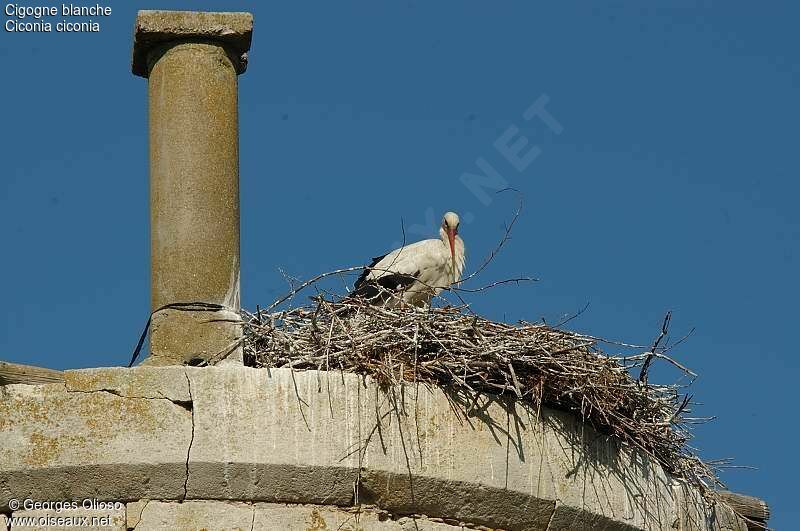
(672, 185)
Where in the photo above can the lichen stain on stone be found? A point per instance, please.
(60, 425)
(317, 521)
(97, 380)
(82, 381)
(231, 387)
(98, 416)
(31, 407)
(43, 450)
(432, 429)
(101, 412)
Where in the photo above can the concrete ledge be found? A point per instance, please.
(257, 435)
(209, 514)
(169, 383)
(64, 443)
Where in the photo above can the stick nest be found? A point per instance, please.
(447, 346)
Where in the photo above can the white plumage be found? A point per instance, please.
(413, 274)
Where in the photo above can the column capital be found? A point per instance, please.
(154, 28)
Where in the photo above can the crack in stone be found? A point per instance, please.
(183, 403)
(253, 521)
(552, 515)
(191, 441)
(141, 514)
(103, 390)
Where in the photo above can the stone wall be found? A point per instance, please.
(235, 447)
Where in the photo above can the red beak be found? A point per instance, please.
(451, 235)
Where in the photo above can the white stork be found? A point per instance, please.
(414, 273)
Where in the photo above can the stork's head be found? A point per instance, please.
(449, 230)
(450, 221)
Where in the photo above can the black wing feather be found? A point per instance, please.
(381, 288)
(367, 270)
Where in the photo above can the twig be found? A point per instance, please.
(653, 350)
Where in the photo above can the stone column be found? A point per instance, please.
(192, 60)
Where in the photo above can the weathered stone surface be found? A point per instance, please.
(179, 338)
(170, 383)
(194, 178)
(499, 467)
(63, 445)
(569, 518)
(320, 438)
(133, 512)
(694, 513)
(86, 519)
(205, 514)
(217, 515)
(291, 517)
(690, 508)
(234, 30)
(722, 518)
